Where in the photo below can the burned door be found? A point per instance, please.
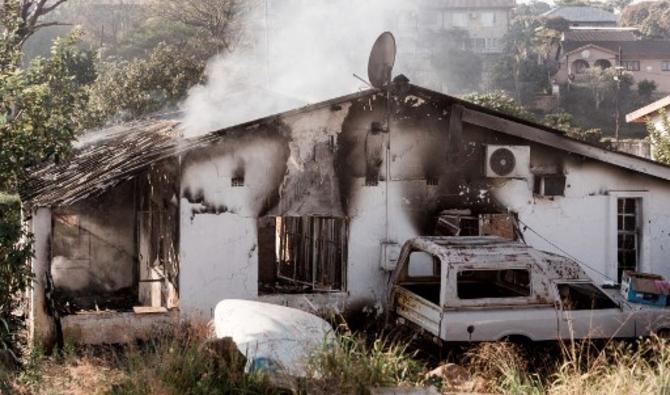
(157, 230)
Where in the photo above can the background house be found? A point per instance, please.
(583, 16)
(485, 21)
(585, 48)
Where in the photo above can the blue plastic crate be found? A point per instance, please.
(644, 280)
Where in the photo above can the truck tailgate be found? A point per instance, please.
(417, 310)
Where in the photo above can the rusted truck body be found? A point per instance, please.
(488, 288)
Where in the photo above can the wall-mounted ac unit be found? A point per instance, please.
(507, 161)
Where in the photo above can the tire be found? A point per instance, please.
(517, 339)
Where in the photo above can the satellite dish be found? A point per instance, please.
(382, 59)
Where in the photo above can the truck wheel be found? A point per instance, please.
(517, 339)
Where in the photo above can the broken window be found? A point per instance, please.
(549, 185)
(583, 297)
(423, 264)
(505, 283)
(457, 223)
(464, 223)
(302, 254)
(628, 234)
(422, 276)
(237, 180)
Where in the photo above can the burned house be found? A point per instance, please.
(308, 208)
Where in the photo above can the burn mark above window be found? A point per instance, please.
(238, 178)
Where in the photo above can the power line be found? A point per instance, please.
(526, 226)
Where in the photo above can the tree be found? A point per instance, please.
(564, 122)
(605, 84)
(659, 136)
(652, 18)
(526, 64)
(459, 68)
(42, 108)
(646, 89)
(533, 8)
(215, 23)
(40, 111)
(15, 250)
(21, 19)
(499, 101)
(128, 89)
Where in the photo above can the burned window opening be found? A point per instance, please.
(119, 251)
(432, 180)
(549, 185)
(237, 180)
(302, 254)
(465, 223)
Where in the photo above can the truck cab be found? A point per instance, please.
(489, 288)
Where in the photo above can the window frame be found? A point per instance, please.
(665, 65)
(437, 268)
(525, 269)
(286, 235)
(631, 65)
(621, 217)
(453, 302)
(615, 304)
(612, 239)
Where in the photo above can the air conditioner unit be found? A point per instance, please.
(507, 161)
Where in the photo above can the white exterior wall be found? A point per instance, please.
(218, 258)
(41, 326)
(219, 252)
(583, 223)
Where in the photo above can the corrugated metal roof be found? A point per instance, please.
(584, 35)
(582, 14)
(101, 160)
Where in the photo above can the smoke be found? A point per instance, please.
(297, 52)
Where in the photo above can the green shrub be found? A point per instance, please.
(15, 275)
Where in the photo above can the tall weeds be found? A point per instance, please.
(619, 367)
(183, 361)
(351, 365)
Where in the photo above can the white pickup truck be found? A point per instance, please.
(488, 288)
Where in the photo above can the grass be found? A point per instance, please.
(184, 361)
(618, 367)
(352, 365)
